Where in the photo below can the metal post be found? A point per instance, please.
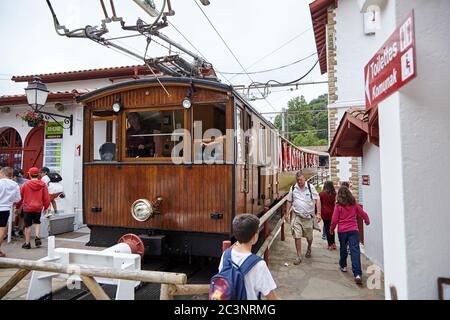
(283, 213)
(266, 234)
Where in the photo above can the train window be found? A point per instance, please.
(209, 133)
(239, 137)
(104, 139)
(154, 134)
(262, 145)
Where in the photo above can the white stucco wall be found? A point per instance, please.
(71, 164)
(371, 194)
(352, 50)
(414, 135)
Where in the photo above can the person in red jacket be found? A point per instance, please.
(344, 216)
(328, 200)
(35, 200)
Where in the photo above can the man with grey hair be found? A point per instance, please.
(302, 200)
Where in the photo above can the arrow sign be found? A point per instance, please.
(393, 66)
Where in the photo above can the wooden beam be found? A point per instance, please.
(190, 289)
(11, 283)
(349, 152)
(140, 275)
(96, 290)
(167, 291)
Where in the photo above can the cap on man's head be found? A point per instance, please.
(33, 171)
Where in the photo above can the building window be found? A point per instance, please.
(10, 148)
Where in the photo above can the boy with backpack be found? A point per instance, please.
(35, 199)
(243, 275)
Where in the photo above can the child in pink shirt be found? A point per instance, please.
(344, 216)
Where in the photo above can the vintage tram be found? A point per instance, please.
(174, 159)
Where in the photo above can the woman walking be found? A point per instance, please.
(344, 216)
(328, 200)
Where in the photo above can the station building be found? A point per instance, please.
(396, 150)
(22, 146)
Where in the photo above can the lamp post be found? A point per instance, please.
(37, 94)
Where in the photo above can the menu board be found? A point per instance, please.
(52, 155)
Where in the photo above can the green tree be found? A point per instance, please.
(306, 123)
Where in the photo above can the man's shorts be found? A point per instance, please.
(4, 216)
(31, 218)
(301, 228)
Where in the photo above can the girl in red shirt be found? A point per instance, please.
(328, 199)
(344, 216)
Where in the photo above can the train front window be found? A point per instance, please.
(154, 134)
(209, 133)
(104, 138)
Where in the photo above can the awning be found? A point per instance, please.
(356, 128)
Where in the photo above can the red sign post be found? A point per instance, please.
(393, 66)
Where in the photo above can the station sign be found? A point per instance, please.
(393, 66)
(53, 130)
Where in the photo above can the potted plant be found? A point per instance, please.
(34, 119)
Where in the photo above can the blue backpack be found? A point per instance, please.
(229, 284)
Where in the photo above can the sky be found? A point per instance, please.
(253, 29)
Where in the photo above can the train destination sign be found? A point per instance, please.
(393, 65)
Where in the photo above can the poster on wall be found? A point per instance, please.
(52, 155)
(53, 130)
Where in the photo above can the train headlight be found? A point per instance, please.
(142, 210)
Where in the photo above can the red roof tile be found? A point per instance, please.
(52, 97)
(319, 18)
(113, 72)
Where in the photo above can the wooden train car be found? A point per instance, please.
(175, 167)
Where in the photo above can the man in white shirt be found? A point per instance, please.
(258, 279)
(303, 199)
(9, 194)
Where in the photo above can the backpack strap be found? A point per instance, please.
(249, 263)
(227, 257)
(309, 188)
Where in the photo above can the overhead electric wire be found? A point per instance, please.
(231, 51)
(272, 69)
(293, 81)
(277, 49)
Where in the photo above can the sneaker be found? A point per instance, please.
(37, 242)
(20, 233)
(48, 215)
(358, 280)
(298, 261)
(333, 246)
(343, 269)
(26, 246)
(2, 255)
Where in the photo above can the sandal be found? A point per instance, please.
(308, 253)
(297, 261)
